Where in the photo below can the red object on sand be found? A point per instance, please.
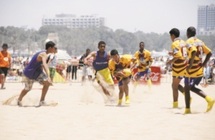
(155, 75)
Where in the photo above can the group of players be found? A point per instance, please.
(187, 63)
(110, 66)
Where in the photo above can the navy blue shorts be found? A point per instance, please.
(142, 73)
(192, 81)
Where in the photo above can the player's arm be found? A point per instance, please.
(135, 60)
(193, 54)
(81, 60)
(92, 54)
(150, 60)
(147, 64)
(171, 60)
(175, 52)
(133, 63)
(208, 53)
(43, 58)
(128, 63)
(108, 57)
(10, 61)
(111, 67)
(207, 58)
(137, 63)
(49, 58)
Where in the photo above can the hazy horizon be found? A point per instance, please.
(130, 15)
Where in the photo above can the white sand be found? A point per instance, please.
(82, 115)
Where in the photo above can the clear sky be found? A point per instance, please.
(157, 16)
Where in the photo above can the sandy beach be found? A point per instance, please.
(82, 115)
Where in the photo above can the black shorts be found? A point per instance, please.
(69, 69)
(4, 70)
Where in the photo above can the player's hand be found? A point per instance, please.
(119, 74)
(85, 61)
(202, 65)
(50, 81)
(188, 68)
(169, 62)
(139, 67)
(170, 53)
(143, 64)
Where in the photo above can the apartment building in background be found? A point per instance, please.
(73, 21)
(206, 20)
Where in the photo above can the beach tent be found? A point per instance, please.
(163, 53)
(62, 55)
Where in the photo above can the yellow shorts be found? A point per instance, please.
(105, 74)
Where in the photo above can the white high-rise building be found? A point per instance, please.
(72, 21)
(206, 20)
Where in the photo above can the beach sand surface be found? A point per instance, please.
(82, 115)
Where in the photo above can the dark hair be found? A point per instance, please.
(175, 32)
(101, 42)
(50, 44)
(87, 49)
(113, 52)
(191, 31)
(4, 45)
(141, 42)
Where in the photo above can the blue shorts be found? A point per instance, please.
(142, 73)
(192, 81)
(120, 82)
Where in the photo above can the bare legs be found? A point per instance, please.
(45, 88)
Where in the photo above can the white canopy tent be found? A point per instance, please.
(62, 55)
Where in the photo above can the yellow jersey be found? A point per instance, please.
(123, 65)
(179, 51)
(143, 59)
(194, 44)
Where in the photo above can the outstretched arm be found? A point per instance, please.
(92, 54)
(208, 56)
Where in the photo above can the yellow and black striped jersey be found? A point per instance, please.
(195, 44)
(179, 51)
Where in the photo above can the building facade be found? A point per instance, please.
(206, 20)
(72, 21)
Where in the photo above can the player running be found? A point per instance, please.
(120, 69)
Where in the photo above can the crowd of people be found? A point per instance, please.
(189, 60)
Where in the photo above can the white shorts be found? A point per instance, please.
(87, 71)
(29, 82)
